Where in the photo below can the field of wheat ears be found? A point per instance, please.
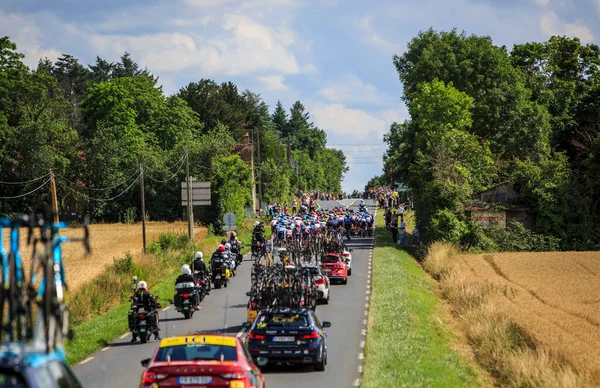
(532, 319)
(108, 242)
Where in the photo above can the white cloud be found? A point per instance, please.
(350, 89)
(351, 124)
(552, 25)
(542, 2)
(373, 37)
(241, 46)
(274, 83)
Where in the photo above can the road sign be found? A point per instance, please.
(230, 227)
(229, 219)
(200, 193)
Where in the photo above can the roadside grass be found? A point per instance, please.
(504, 348)
(408, 344)
(98, 310)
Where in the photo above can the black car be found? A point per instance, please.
(293, 336)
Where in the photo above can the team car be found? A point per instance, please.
(321, 281)
(291, 336)
(24, 365)
(206, 360)
(335, 267)
(347, 257)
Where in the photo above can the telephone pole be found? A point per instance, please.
(190, 207)
(259, 173)
(54, 197)
(143, 208)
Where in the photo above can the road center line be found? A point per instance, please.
(86, 360)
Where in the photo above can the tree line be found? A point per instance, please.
(95, 125)
(480, 116)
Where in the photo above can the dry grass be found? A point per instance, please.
(529, 317)
(108, 241)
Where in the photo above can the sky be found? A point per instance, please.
(335, 56)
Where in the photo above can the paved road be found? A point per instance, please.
(118, 365)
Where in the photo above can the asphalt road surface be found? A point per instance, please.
(118, 364)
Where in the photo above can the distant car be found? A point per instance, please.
(322, 282)
(335, 267)
(23, 365)
(206, 360)
(292, 336)
(347, 257)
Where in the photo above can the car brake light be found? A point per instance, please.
(319, 280)
(256, 336)
(152, 377)
(186, 295)
(312, 335)
(141, 315)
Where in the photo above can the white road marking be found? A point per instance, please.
(359, 369)
(104, 349)
(362, 344)
(366, 304)
(361, 356)
(124, 335)
(356, 383)
(168, 307)
(368, 291)
(365, 322)
(363, 332)
(366, 313)
(367, 297)
(86, 360)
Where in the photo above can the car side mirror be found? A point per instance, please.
(145, 362)
(248, 293)
(326, 324)
(246, 325)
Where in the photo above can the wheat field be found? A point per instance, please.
(108, 241)
(554, 296)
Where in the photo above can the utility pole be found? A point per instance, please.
(54, 197)
(259, 173)
(288, 149)
(190, 205)
(252, 171)
(143, 208)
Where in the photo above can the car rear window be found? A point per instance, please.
(197, 352)
(330, 259)
(282, 319)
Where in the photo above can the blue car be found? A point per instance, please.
(24, 366)
(292, 336)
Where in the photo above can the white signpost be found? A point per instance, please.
(229, 220)
(200, 193)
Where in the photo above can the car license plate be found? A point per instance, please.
(218, 277)
(196, 380)
(284, 339)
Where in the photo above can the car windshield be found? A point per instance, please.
(330, 259)
(196, 352)
(278, 320)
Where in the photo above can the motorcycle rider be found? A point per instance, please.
(200, 271)
(143, 297)
(187, 277)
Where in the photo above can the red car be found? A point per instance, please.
(335, 267)
(201, 361)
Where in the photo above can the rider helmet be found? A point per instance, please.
(223, 242)
(221, 248)
(142, 285)
(199, 255)
(256, 223)
(185, 269)
(227, 246)
(232, 235)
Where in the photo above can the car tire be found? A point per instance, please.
(320, 366)
(350, 272)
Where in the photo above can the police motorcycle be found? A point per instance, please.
(219, 269)
(187, 294)
(143, 317)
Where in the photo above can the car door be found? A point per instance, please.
(254, 373)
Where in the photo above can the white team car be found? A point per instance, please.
(347, 257)
(321, 281)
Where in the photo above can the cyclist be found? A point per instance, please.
(143, 297)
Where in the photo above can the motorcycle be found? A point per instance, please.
(231, 263)
(186, 299)
(142, 323)
(236, 251)
(219, 273)
(203, 284)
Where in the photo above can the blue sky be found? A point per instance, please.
(333, 55)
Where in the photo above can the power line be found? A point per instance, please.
(102, 188)
(30, 192)
(25, 182)
(181, 163)
(111, 198)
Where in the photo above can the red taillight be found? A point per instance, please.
(252, 305)
(141, 315)
(319, 280)
(186, 295)
(256, 336)
(152, 377)
(312, 335)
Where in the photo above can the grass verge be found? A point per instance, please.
(407, 342)
(505, 349)
(99, 308)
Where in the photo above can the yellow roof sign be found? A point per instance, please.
(198, 340)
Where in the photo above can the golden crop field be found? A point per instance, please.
(108, 241)
(554, 296)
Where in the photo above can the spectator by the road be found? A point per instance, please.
(388, 218)
(394, 227)
(402, 230)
